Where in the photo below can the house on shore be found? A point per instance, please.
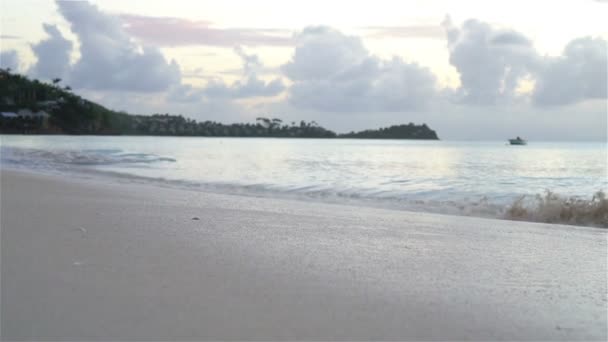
(8, 115)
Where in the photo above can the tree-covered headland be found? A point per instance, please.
(33, 107)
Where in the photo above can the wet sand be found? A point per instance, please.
(86, 260)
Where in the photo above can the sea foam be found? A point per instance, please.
(554, 208)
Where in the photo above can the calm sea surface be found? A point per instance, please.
(469, 178)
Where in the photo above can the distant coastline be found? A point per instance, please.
(34, 107)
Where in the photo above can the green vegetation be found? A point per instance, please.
(66, 112)
(44, 108)
(409, 131)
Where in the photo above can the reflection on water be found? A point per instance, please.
(404, 172)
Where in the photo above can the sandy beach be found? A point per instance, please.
(85, 260)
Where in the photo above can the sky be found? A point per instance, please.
(471, 70)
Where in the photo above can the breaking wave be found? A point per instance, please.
(553, 208)
(549, 207)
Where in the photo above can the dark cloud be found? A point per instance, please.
(166, 31)
(9, 60)
(579, 74)
(490, 62)
(110, 60)
(412, 31)
(53, 55)
(335, 72)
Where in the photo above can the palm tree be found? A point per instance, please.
(265, 121)
(276, 123)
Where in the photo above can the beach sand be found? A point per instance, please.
(86, 260)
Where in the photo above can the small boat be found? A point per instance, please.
(517, 141)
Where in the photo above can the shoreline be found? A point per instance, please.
(83, 259)
(497, 211)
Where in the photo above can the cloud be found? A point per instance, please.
(185, 93)
(53, 55)
(249, 86)
(9, 60)
(335, 72)
(219, 90)
(412, 31)
(251, 63)
(510, 38)
(110, 59)
(322, 51)
(491, 62)
(579, 74)
(167, 31)
(9, 36)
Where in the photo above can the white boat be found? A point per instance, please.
(517, 141)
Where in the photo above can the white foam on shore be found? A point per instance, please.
(549, 208)
(555, 208)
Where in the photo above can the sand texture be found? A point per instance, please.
(85, 260)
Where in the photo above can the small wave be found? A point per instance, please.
(103, 150)
(553, 208)
(90, 157)
(549, 207)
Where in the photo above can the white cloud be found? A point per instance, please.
(249, 86)
(491, 62)
(335, 72)
(53, 55)
(332, 72)
(9, 60)
(321, 52)
(579, 74)
(110, 59)
(251, 62)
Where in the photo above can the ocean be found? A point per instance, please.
(543, 181)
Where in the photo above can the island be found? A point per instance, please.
(30, 106)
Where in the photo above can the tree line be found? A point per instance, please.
(69, 113)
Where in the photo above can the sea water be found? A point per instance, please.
(480, 178)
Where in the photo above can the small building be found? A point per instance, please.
(8, 115)
(25, 113)
(51, 104)
(41, 115)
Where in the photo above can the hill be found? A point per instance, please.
(409, 131)
(34, 107)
